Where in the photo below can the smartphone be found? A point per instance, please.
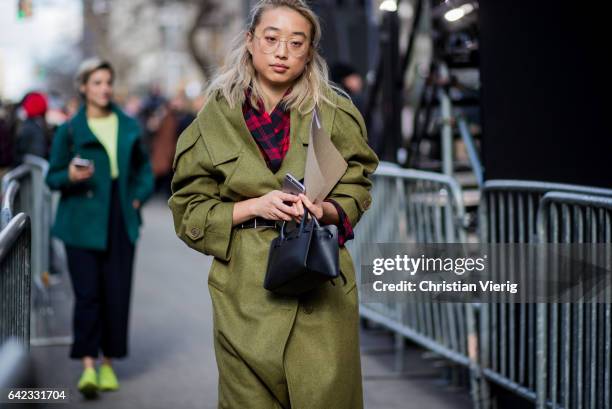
(292, 185)
(82, 163)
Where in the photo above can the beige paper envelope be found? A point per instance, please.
(324, 164)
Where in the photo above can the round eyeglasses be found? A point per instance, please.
(297, 46)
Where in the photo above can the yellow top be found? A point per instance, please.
(107, 131)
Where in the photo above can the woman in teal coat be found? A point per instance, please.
(104, 175)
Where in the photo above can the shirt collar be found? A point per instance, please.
(260, 104)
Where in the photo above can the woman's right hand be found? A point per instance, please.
(270, 206)
(79, 174)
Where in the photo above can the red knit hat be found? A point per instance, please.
(35, 104)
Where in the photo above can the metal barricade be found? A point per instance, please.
(508, 332)
(574, 340)
(42, 210)
(15, 279)
(411, 206)
(24, 190)
(368, 227)
(33, 197)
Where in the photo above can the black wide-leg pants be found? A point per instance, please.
(102, 282)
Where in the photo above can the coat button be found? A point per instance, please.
(195, 232)
(90, 194)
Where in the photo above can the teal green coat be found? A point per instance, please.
(83, 211)
(267, 346)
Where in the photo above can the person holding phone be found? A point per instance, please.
(273, 351)
(103, 173)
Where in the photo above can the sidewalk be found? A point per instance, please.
(171, 362)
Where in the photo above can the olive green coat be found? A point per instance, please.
(272, 351)
(84, 207)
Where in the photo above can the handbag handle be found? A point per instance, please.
(302, 224)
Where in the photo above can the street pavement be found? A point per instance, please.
(171, 363)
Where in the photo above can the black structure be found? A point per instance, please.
(545, 92)
(348, 32)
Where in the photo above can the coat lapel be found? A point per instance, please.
(228, 139)
(126, 137)
(233, 151)
(295, 160)
(81, 133)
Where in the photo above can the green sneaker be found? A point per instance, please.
(108, 379)
(88, 384)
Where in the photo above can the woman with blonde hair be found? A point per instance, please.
(103, 173)
(273, 351)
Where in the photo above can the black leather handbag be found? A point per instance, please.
(302, 259)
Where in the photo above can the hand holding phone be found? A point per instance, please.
(292, 185)
(81, 163)
(80, 169)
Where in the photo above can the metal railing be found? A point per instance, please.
(574, 340)
(553, 355)
(446, 133)
(24, 190)
(472, 150)
(411, 206)
(508, 213)
(15, 280)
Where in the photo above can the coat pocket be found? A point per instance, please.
(347, 271)
(220, 270)
(350, 287)
(350, 282)
(217, 277)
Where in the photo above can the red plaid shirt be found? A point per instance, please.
(271, 132)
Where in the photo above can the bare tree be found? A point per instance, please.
(95, 30)
(96, 40)
(209, 16)
(205, 8)
(202, 26)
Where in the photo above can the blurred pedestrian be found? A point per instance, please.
(176, 119)
(72, 106)
(273, 351)
(31, 137)
(104, 175)
(133, 106)
(6, 137)
(351, 81)
(151, 112)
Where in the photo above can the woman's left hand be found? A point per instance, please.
(315, 209)
(136, 204)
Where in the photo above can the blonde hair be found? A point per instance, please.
(238, 72)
